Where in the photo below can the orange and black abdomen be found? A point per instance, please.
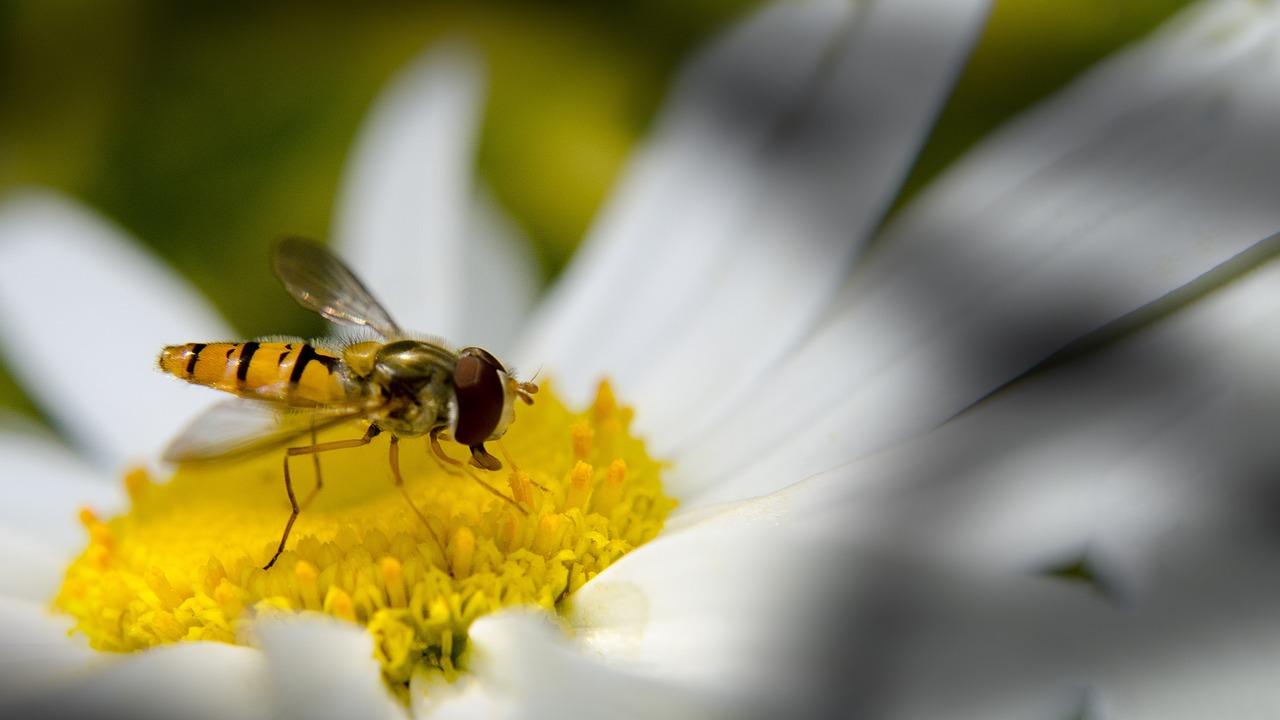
(285, 371)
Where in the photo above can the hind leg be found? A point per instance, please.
(312, 449)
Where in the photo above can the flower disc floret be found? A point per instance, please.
(185, 562)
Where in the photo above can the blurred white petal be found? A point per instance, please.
(825, 179)
(1038, 237)
(928, 641)
(37, 656)
(963, 643)
(42, 487)
(814, 602)
(1140, 460)
(1214, 50)
(932, 550)
(726, 600)
(502, 282)
(1098, 460)
(1206, 644)
(1106, 457)
(33, 570)
(321, 668)
(525, 667)
(61, 267)
(43, 484)
(675, 211)
(778, 151)
(402, 212)
(189, 680)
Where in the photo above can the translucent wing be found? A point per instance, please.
(240, 427)
(323, 283)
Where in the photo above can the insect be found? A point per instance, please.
(288, 389)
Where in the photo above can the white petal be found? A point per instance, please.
(1203, 645)
(30, 569)
(525, 667)
(501, 276)
(42, 487)
(1217, 49)
(401, 217)
(815, 602)
(84, 313)
(1102, 459)
(779, 152)
(1136, 456)
(187, 680)
(926, 642)
(37, 656)
(1145, 174)
(727, 601)
(805, 604)
(323, 668)
(1098, 462)
(679, 204)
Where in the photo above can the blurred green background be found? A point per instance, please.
(208, 129)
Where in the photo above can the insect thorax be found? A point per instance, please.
(416, 377)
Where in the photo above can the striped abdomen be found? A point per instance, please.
(293, 371)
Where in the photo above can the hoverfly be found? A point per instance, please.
(286, 389)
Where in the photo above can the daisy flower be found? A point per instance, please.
(988, 460)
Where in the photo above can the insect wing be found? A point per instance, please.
(242, 427)
(323, 283)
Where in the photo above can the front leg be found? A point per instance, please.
(448, 462)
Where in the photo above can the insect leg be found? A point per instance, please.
(394, 457)
(315, 458)
(458, 465)
(447, 463)
(514, 468)
(288, 482)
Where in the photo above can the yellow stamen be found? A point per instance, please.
(521, 488)
(550, 532)
(393, 576)
(582, 440)
(185, 563)
(611, 489)
(462, 552)
(338, 603)
(579, 487)
(305, 574)
(136, 483)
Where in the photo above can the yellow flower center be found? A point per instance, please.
(185, 563)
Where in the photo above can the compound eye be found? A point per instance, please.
(481, 396)
(483, 354)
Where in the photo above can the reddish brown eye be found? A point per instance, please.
(480, 397)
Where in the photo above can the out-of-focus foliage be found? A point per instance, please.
(208, 129)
